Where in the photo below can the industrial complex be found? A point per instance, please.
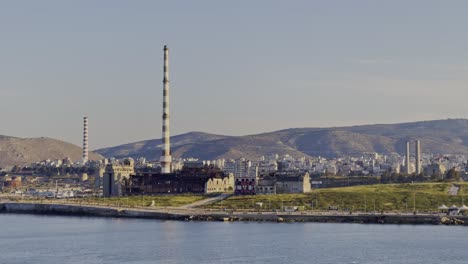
(269, 174)
(122, 179)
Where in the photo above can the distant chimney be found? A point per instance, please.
(85, 140)
(418, 157)
(407, 159)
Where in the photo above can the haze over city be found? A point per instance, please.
(237, 68)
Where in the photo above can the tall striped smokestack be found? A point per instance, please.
(85, 139)
(166, 158)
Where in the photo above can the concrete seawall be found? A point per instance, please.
(197, 215)
(79, 210)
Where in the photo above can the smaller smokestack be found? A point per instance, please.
(85, 140)
(407, 158)
(418, 157)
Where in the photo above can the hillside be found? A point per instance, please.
(151, 149)
(20, 151)
(439, 136)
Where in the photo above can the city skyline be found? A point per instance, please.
(233, 67)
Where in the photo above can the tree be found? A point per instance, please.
(452, 175)
(401, 178)
(421, 178)
(15, 169)
(386, 177)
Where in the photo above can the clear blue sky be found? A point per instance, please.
(237, 67)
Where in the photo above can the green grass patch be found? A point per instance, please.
(381, 197)
(166, 200)
(159, 200)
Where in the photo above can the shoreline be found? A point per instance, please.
(179, 214)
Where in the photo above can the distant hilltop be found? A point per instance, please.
(22, 151)
(438, 137)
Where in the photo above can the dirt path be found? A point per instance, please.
(206, 201)
(454, 190)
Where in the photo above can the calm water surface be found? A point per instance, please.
(55, 239)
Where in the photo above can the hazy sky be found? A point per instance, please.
(237, 67)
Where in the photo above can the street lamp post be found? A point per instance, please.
(316, 201)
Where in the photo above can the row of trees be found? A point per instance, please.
(450, 175)
(55, 171)
(386, 177)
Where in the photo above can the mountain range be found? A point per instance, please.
(438, 137)
(448, 136)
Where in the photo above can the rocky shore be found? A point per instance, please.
(202, 215)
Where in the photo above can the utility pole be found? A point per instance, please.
(316, 201)
(365, 203)
(414, 202)
(342, 203)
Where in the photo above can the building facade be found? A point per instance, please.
(115, 175)
(293, 184)
(266, 185)
(218, 185)
(245, 185)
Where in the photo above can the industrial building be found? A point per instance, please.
(278, 182)
(299, 183)
(205, 179)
